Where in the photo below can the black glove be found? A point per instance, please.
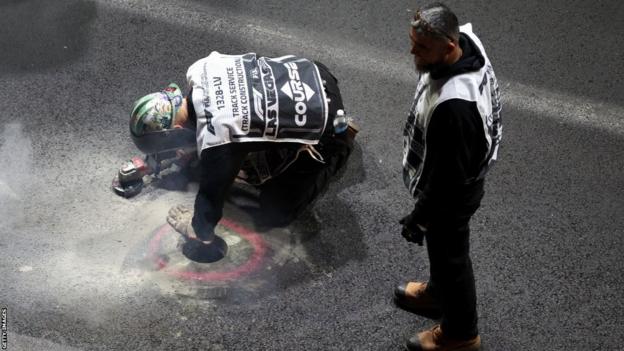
(411, 231)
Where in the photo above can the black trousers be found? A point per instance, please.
(284, 196)
(451, 278)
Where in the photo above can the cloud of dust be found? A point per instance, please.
(16, 172)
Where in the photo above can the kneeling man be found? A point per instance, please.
(276, 123)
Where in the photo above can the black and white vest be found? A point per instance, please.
(479, 86)
(242, 98)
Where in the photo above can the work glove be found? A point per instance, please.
(412, 231)
(181, 218)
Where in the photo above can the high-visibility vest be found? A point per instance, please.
(241, 98)
(478, 86)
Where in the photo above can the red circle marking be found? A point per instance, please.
(251, 265)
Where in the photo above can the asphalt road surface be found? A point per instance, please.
(83, 269)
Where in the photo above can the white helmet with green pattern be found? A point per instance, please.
(156, 112)
(152, 119)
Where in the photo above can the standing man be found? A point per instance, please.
(450, 141)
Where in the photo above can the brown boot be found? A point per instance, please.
(413, 297)
(434, 340)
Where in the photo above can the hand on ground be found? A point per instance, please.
(179, 218)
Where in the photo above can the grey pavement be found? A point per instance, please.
(83, 269)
